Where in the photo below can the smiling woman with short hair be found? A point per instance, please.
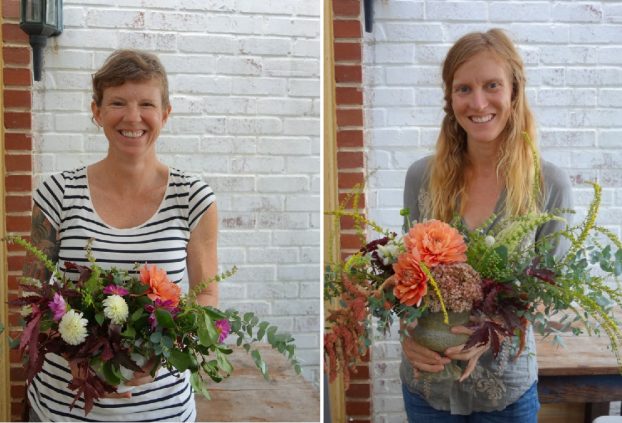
(133, 209)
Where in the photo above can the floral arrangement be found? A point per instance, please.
(109, 324)
(500, 278)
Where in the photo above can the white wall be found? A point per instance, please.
(573, 54)
(244, 81)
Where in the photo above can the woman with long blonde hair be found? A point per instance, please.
(485, 165)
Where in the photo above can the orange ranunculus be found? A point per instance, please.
(411, 281)
(435, 242)
(160, 285)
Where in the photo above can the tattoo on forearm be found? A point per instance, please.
(43, 236)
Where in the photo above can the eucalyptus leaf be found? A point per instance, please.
(166, 341)
(155, 337)
(261, 365)
(262, 330)
(14, 343)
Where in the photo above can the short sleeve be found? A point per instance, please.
(49, 198)
(416, 178)
(557, 198)
(200, 199)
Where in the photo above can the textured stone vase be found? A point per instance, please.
(433, 333)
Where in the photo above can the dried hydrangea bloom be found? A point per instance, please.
(460, 286)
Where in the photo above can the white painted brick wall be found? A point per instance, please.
(573, 54)
(245, 87)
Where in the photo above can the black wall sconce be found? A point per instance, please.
(40, 19)
(368, 7)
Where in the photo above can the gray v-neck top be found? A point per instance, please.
(496, 382)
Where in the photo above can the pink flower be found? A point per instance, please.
(115, 290)
(224, 328)
(58, 306)
(163, 304)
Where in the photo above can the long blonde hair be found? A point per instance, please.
(515, 164)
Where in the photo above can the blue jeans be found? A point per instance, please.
(524, 410)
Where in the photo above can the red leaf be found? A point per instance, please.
(31, 330)
(545, 275)
(34, 367)
(124, 359)
(85, 272)
(487, 332)
(88, 385)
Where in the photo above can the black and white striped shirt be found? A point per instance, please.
(162, 240)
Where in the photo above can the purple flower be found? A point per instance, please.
(58, 306)
(115, 290)
(224, 328)
(163, 304)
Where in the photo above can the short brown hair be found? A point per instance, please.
(129, 65)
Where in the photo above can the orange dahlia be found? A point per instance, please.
(411, 282)
(160, 285)
(435, 242)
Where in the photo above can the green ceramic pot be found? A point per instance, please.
(433, 333)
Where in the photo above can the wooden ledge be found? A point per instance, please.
(247, 397)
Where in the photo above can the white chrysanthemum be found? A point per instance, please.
(391, 251)
(115, 308)
(72, 327)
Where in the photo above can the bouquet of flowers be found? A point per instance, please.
(495, 281)
(109, 324)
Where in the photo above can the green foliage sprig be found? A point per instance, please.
(40, 255)
(580, 285)
(154, 332)
(524, 281)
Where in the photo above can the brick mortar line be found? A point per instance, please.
(352, 149)
(350, 85)
(349, 128)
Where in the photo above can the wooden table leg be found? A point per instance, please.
(595, 409)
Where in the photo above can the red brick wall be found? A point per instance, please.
(347, 29)
(17, 91)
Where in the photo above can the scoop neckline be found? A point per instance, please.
(133, 228)
(495, 213)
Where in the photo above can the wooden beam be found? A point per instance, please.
(5, 382)
(331, 199)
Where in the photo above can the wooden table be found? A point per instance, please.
(247, 397)
(583, 372)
